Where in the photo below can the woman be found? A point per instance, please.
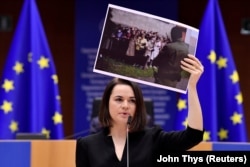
(122, 99)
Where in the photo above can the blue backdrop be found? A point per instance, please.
(90, 17)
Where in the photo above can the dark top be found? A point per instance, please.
(169, 60)
(145, 147)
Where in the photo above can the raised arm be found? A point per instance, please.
(195, 68)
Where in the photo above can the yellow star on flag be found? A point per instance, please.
(8, 85)
(13, 126)
(18, 68)
(185, 123)
(236, 118)
(181, 104)
(222, 62)
(43, 62)
(212, 56)
(239, 98)
(6, 106)
(55, 78)
(206, 136)
(223, 134)
(46, 132)
(234, 77)
(58, 97)
(57, 118)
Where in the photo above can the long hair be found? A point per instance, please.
(139, 120)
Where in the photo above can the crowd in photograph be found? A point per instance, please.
(133, 46)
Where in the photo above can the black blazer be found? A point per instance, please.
(145, 147)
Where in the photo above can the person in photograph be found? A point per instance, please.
(130, 52)
(140, 46)
(123, 141)
(149, 50)
(155, 52)
(169, 59)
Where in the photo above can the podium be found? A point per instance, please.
(61, 153)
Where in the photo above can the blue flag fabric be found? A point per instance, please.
(218, 88)
(29, 94)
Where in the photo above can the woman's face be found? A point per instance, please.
(121, 104)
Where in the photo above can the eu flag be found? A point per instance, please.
(219, 90)
(29, 94)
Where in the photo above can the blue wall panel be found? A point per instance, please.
(14, 154)
(231, 146)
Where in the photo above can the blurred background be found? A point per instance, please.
(73, 29)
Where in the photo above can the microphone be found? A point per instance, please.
(128, 124)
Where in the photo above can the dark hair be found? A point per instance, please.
(139, 120)
(176, 33)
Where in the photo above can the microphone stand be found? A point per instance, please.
(128, 124)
